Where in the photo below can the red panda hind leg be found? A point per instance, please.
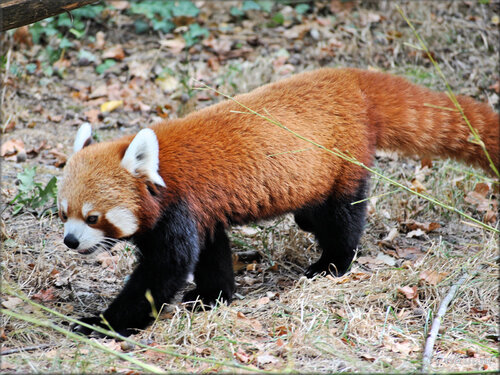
(337, 225)
(213, 275)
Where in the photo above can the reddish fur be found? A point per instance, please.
(220, 162)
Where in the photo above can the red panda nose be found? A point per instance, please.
(71, 241)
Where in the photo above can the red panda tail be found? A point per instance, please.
(415, 120)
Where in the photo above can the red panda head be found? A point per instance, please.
(107, 191)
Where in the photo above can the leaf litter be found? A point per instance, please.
(368, 320)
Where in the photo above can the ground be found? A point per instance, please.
(375, 318)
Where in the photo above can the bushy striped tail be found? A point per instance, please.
(415, 120)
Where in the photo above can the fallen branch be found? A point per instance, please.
(24, 349)
(431, 339)
(16, 13)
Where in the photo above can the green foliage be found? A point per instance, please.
(195, 31)
(32, 195)
(160, 13)
(108, 63)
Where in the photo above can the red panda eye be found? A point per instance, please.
(64, 217)
(92, 219)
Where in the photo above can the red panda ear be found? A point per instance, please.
(83, 137)
(141, 157)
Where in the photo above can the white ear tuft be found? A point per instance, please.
(83, 137)
(141, 157)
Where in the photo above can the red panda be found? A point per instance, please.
(174, 188)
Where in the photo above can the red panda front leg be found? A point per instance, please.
(168, 254)
(213, 274)
(337, 225)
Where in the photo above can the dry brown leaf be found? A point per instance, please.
(45, 295)
(115, 52)
(242, 356)
(92, 115)
(262, 301)
(120, 4)
(409, 292)
(418, 186)
(432, 277)
(137, 69)
(9, 126)
(12, 147)
(415, 233)
(11, 302)
(100, 40)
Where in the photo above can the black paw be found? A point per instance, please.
(98, 322)
(196, 300)
(326, 268)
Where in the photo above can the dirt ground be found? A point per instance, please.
(374, 319)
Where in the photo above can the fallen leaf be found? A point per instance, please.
(115, 52)
(137, 69)
(262, 301)
(167, 83)
(409, 292)
(120, 4)
(175, 45)
(11, 302)
(265, 359)
(405, 347)
(241, 356)
(12, 147)
(9, 126)
(418, 186)
(111, 105)
(92, 115)
(55, 118)
(393, 233)
(390, 261)
(45, 295)
(100, 40)
(415, 233)
(432, 277)
(412, 225)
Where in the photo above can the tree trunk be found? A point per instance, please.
(16, 13)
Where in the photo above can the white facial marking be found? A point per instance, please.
(83, 137)
(123, 219)
(142, 156)
(64, 205)
(86, 236)
(86, 208)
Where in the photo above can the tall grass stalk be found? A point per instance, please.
(475, 135)
(349, 158)
(113, 334)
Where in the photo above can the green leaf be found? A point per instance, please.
(31, 68)
(27, 179)
(141, 26)
(302, 8)
(185, 8)
(278, 19)
(162, 25)
(195, 31)
(65, 43)
(250, 5)
(236, 12)
(86, 55)
(63, 20)
(108, 63)
(266, 5)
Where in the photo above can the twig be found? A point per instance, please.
(25, 349)
(431, 339)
